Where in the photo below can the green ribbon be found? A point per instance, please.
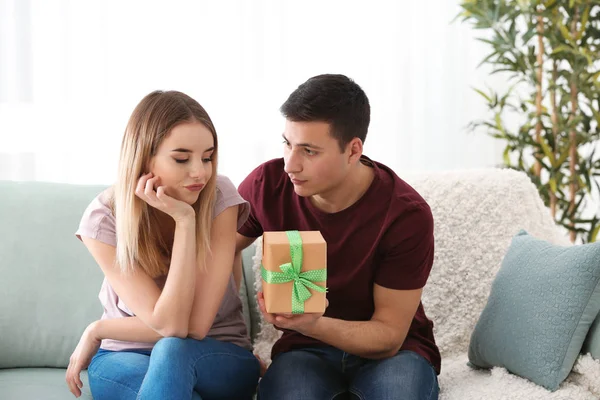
(292, 272)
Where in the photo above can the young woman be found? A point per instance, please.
(164, 236)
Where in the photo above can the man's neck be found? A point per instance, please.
(346, 194)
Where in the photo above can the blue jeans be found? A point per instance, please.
(176, 369)
(328, 373)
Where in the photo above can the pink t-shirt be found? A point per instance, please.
(98, 222)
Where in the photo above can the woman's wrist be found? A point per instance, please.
(93, 330)
(186, 219)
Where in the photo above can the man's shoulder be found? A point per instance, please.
(397, 187)
(402, 198)
(267, 171)
(406, 215)
(273, 168)
(265, 178)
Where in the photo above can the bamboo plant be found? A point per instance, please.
(549, 52)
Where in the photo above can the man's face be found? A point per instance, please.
(313, 159)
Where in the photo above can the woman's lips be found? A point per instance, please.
(195, 188)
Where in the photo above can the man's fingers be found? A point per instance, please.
(271, 318)
(268, 317)
(261, 302)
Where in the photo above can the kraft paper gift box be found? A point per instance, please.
(294, 272)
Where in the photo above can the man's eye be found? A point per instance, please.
(310, 152)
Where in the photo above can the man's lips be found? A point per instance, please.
(297, 181)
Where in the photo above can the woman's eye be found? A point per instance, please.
(207, 160)
(180, 161)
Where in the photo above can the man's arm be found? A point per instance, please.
(380, 337)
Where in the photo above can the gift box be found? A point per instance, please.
(294, 272)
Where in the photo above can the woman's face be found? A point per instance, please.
(183, 161)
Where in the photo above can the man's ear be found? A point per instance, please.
(355, 147)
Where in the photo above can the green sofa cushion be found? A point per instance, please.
(39, 383)
(50, 282)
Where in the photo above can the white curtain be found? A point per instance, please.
(71, 72)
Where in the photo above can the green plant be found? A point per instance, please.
(549, 51)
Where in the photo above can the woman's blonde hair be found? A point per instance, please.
(139, 241)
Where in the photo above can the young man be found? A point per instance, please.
(374, 340)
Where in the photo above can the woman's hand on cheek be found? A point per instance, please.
(156, 197)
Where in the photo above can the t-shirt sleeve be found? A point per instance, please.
(407, 251)
(250, 189)
(98, 222)
(228, 196)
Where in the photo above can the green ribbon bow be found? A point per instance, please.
(291, 272)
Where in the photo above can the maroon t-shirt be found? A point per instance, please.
(386, 238)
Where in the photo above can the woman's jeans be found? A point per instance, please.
(175, 369)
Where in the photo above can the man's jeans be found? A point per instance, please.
(328, 373)
(176, 369)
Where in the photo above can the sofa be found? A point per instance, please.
(49, 283)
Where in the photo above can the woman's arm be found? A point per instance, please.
(241, 242)
(166, 312)
(237, 270)
(129, 329)
(212, 282)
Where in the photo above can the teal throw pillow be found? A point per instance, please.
(540, 309)
(592, 343)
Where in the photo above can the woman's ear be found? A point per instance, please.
(150, 165)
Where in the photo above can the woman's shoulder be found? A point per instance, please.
(102, 204)
(228, 196)
(224, 185)
(98, 220)
(226, 190)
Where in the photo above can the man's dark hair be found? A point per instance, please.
(335, 99)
